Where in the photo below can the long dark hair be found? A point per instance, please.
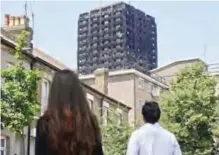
(70, 124)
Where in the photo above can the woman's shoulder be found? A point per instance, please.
(41, 120)
(41, 123)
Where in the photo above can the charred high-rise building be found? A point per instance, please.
(116, 37)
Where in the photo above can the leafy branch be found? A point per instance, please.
(19, 91)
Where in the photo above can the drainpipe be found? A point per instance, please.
(29, 126)
(101, 107)
(33, 60)
(28, 139)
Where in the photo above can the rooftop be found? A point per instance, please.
(39, 53)
(175, 63)
(128, 71)
(113, 5)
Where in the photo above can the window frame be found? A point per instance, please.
(90, 103)
(1, 82)
(140, 103)
(4, 148)
(155, 90)
(217, 90)
(44, 97)
(120, 116)
(105, 113)
(141, 83)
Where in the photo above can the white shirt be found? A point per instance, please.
(153, 140)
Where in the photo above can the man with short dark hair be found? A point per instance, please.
(151, 138)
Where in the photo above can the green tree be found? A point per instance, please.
(115, 134)
(19, 102)
(216, 132)
(189, 110)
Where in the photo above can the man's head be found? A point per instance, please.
(151, 112)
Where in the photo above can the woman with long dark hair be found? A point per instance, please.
(68, 127)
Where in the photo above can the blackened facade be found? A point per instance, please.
(116, 37)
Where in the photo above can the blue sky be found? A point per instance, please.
(183, 27)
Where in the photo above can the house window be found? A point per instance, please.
(140, 104)
(140, 83)
(2, 125)
(106, 16)
(105, 113)
(217, 90)
(90, 102)
(3, 145)
(44, 95)
(119, 120)
(1, 82)
(119, 34)
(150, 86)
(155, 91)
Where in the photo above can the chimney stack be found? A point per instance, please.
(16, 24)
(16, 21)
(101, 80)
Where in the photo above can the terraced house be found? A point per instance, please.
(99, 102)
(130, 87)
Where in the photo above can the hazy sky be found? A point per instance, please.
(182, 27)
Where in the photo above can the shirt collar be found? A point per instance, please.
(155, 124)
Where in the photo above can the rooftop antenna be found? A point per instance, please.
(205, 52)
(25, 8)
(32, 16)
(100, 3)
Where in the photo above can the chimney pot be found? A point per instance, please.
(19, 20)
(22, 20)
(16, 21)
(11, 21)
(7, 19)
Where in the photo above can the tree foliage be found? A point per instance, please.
(115, 135)
(189, 110)
(216, 132)
(19, 93)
